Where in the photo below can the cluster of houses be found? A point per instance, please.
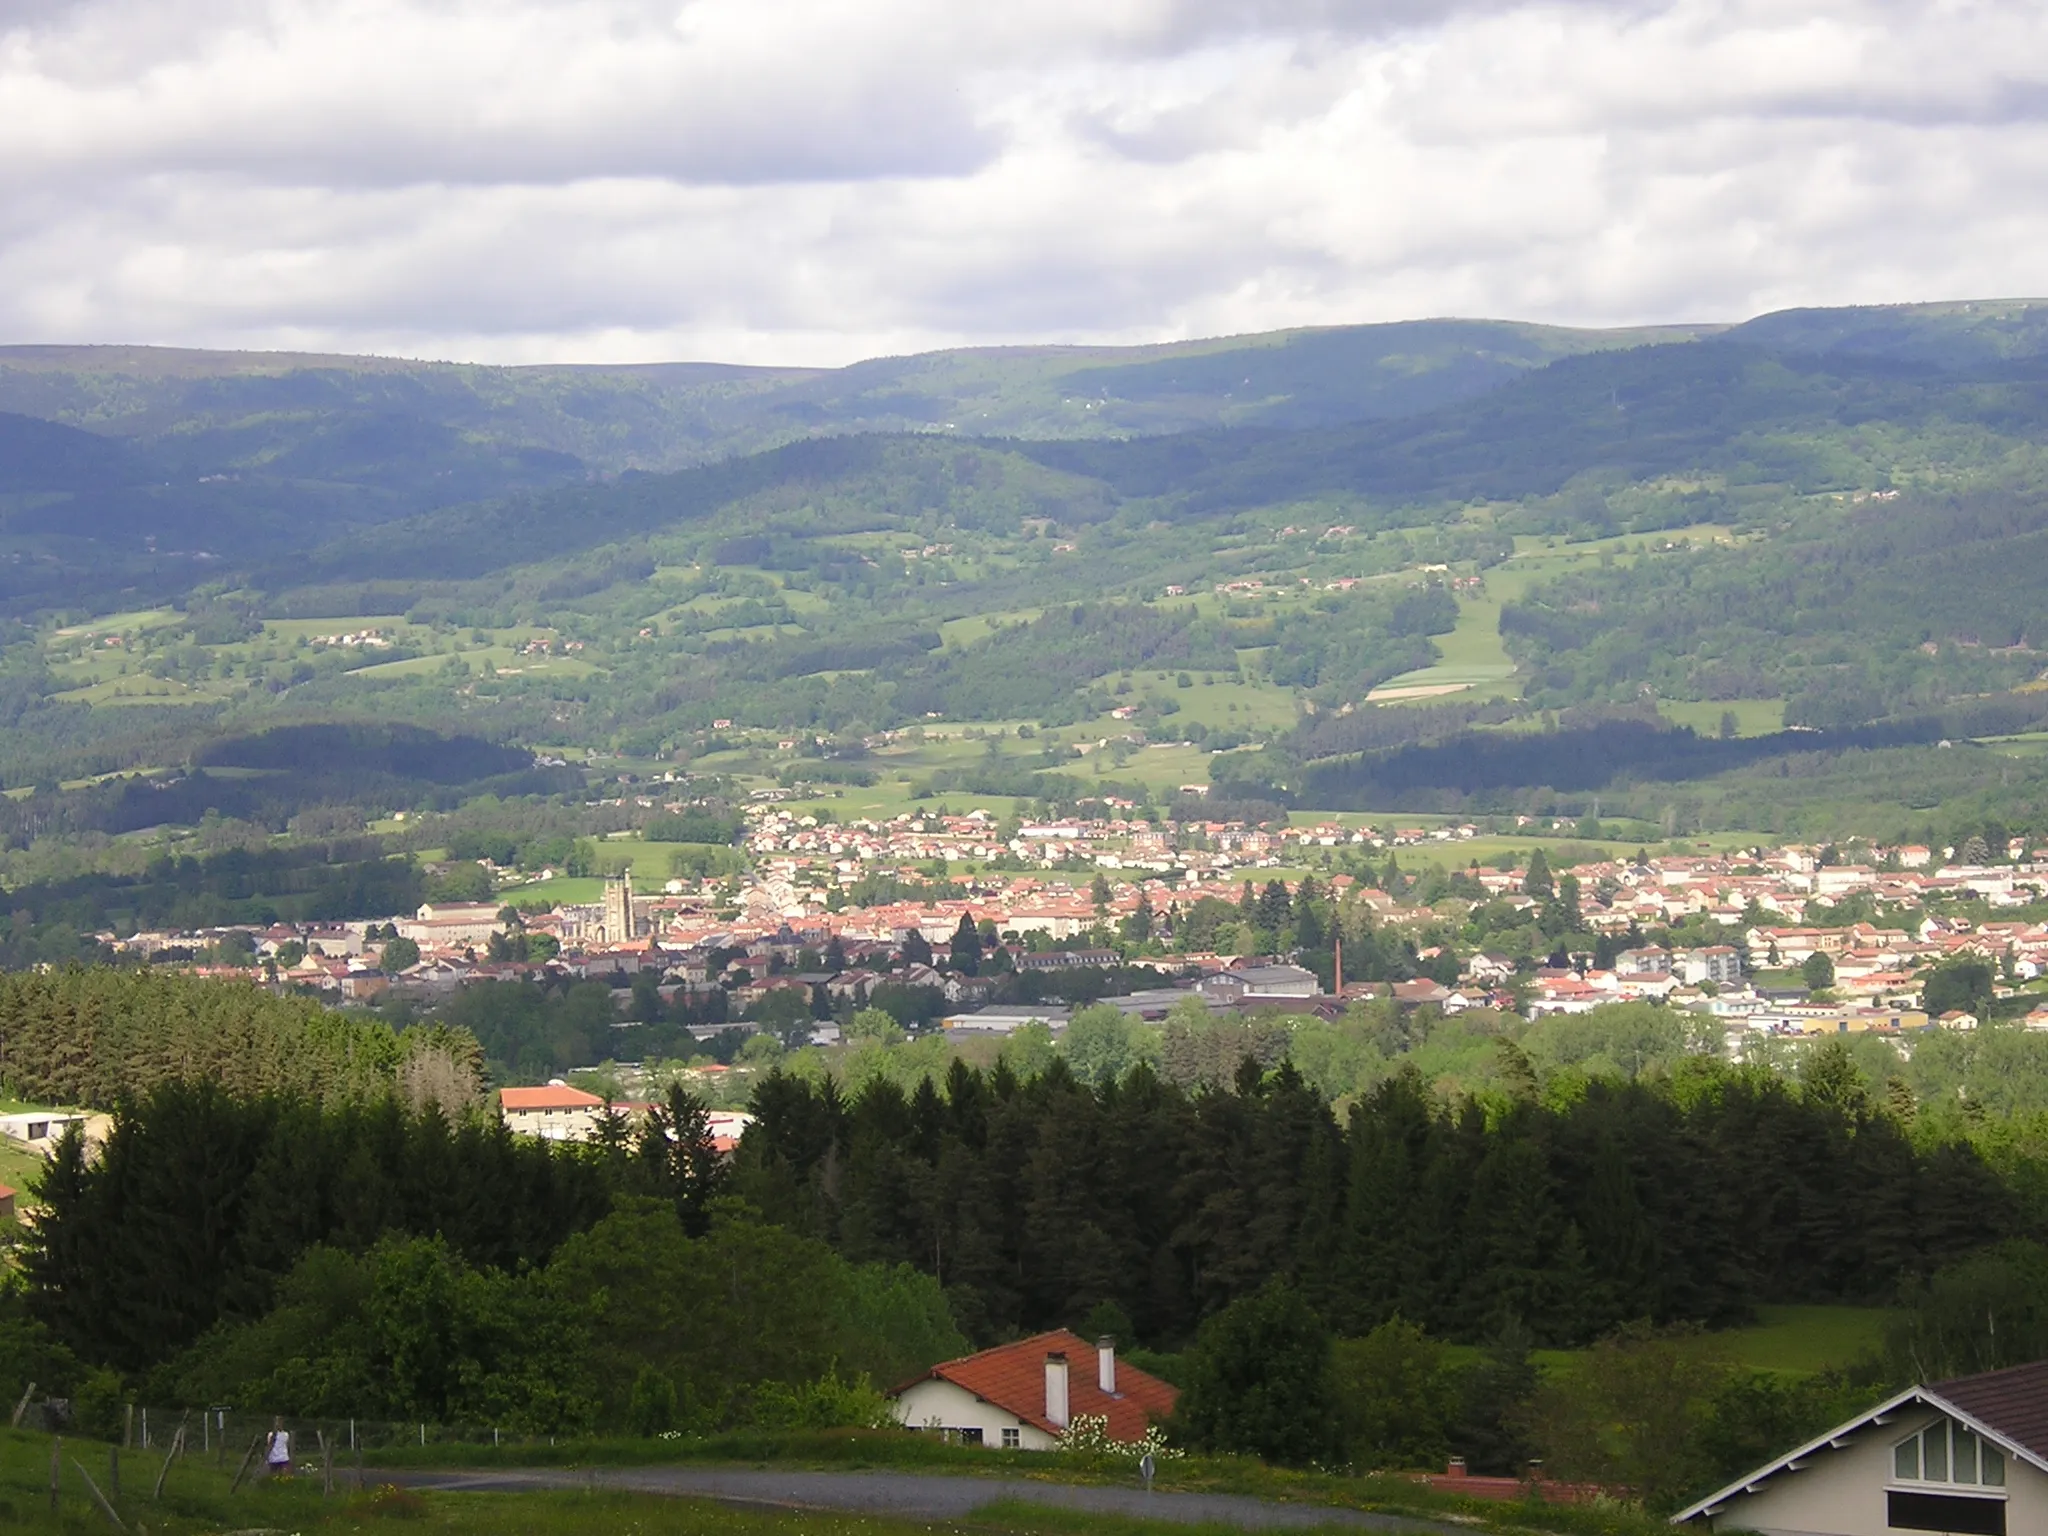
(791, 908)
(845, 850)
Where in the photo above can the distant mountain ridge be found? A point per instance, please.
(241, 407)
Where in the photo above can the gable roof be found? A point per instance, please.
(2009, 1408)
(547, 1098)
(1012, 1378)
(2014, 1402)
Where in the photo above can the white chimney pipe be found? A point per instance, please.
(1105, 1365)
(1056, 1389)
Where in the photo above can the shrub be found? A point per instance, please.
(827, 1403)
(652, 1407)
(1260, 1383)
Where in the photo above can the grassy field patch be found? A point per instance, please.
(957, 633)
(140, 688)
(1807, 1339)
(1472, 664)
(1753, 717)
(542, 894)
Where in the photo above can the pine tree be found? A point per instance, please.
(966, 948)
(1387, 1262)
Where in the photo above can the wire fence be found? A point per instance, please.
(240, 1438)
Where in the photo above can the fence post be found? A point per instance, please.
(22, 1407)
(326, 1464)
(128, 1425)
(99, 1498)
(247, 1456)
(113, 1469)
(423, 1434)
(56, 1468)
(177, 1444)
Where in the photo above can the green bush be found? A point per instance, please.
(97, 1405)
(1399, 1397)
(1261, 1383)
(652, 1409)
(827, 1403)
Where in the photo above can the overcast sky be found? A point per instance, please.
(820, 180)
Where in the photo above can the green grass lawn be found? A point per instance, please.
(2026, 744)
(1806, 1339)
(119, 623)
(1753, 717)
(1791, 1341)
(19, 1169)
(1225, 704)
(955, 633)
(566, 890)
(140, 688)
(1472, 664)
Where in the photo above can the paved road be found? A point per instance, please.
(922, 1496)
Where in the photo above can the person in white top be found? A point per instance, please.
(278, 1454)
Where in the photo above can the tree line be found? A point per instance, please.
(366, 1259)
(97, 1037)
(357, 1254)
(1691, 1199)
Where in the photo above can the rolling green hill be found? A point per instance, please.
(1316, 544)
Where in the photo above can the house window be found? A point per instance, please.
(970, 1436)
(1013, 1439)
(1948, 1453)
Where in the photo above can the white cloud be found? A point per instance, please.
(817, 180)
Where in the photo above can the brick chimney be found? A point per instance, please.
(1105, 1365)
(1056, 1389)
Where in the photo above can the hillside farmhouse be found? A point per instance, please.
(1020, 1396)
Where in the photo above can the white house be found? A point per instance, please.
(42, 1129)
(1968, 1456)
(555, 1113)
(1019, 1397)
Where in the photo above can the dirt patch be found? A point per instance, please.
(1415, 691)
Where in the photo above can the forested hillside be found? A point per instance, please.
(1313, 559)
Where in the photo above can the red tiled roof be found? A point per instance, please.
(2014, 1402)
(1012, 1377)
(548, 1098)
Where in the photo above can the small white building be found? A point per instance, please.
(1019, 1397)
(1968, 1456)
(42, 1129)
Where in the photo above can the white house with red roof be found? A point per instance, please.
(555, 1113)
(1019, 1397)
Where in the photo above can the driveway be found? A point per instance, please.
(915, 1495)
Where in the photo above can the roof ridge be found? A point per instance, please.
(997, 1349)
(2003, 1370)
